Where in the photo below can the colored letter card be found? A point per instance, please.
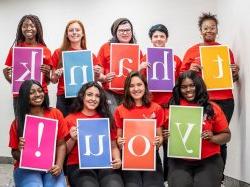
(94, 143)
(78, 70)
(40, 143)
(216, 71)
(138, 150)
(26, 65)
(160, 75)
(185, 126)
(124, 58)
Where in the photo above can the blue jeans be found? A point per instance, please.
(31, 178)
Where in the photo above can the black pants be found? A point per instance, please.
(165, 160)
(145, 178)
(64, 104)
(227, 106)
(93, 178)
(201, 173)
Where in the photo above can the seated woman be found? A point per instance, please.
(34, 101)
(90, 103)
(190, 90)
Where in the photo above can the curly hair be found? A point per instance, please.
(201, 95)
(207, 16)
(103, 107)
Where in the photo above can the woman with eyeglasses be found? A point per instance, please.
(122, 32)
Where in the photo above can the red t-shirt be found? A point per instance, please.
(71, 120)
(153, 112)
(56, 58)
(52, 113)
(46, 60)
(104, 59)
(193, 56)
(216, 125)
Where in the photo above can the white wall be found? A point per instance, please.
(234, 28)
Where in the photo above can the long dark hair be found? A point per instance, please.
(201, 95)
(23, 106)
(103, 107)
(114, 27)
(128, 99)
(39, 35)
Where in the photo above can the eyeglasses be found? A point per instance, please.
(122, 31)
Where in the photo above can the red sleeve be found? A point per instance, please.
(219, 122)
(95, 60)
(113, 134)
(55, 58)
(47, 56)
(100, 56)
(13, 136)
(118, 119)
(178, 63)
(159, 117)
(231, 57)
(8, 61)
(166, 118)
(190, 57)
(62, 127)
(143, 59)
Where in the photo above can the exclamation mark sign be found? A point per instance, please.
(40, 133)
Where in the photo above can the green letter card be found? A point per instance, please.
(185, 126)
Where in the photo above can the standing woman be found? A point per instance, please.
(137, 105)
(29, 34)
(32, 101)
(208, 25)
(122, 32)
(190, 90)
(158, 35)
(90, 103)
(74, 39)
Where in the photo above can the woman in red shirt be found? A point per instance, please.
(74, 39)
(208, 25)
(90, 103)
(122, 32)
(136, 105)
(190, 90)
(32, 101)
(29, 34)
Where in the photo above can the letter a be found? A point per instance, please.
(121, 67)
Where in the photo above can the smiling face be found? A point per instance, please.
(124, 33)
(36, 95)
(91, 99)
(74, 33)
(159, 39)
(137, 89)
(29, 30)
(187, 89)
(209, 30)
